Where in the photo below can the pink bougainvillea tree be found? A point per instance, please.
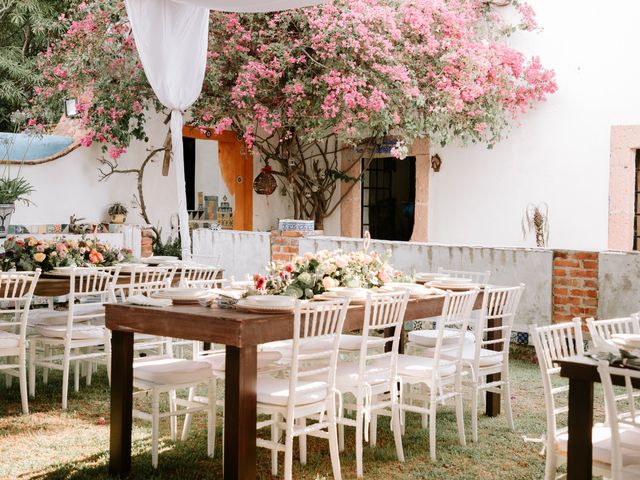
(302, 86)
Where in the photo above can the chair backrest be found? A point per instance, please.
(477, 277)
(322, 321)
(382, 311)
(200, 276)
(145, 280)
(555, 342)
(499, 306)
(456, 315)
(114, 272)
(16, 292)
(602, 330)
(623, 413)
(87, 284)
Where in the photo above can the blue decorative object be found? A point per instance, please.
(290, 225)
(521, 338)
(22, 146)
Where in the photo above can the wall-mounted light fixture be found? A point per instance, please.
(70, 107)
(436, 162)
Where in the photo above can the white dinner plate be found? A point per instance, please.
(246, 306)
(455, 287)
(334, 296)
(427, 276)
(157, 260)
(346, 292)
(631, 340)
(130, 267)
(282, 301)
(452, 280)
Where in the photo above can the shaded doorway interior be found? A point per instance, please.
(388, 198)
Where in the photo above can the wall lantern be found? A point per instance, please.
(70, 107)
(436, 162)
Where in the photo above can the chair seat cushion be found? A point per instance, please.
(353, 342)
(265, 359)
(89, 308)
(172, 371)
(78, 332)
(347, 374)
(306, 346)
(275, 391)
(487, 357)
(8, 340)
(601, 439)
(414, 366)
(49, 316)
(428, 338)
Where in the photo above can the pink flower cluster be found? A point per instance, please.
(359, 68)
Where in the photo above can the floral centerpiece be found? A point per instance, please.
(31, 253)
(313, 273)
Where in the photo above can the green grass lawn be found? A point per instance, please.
(50, 444)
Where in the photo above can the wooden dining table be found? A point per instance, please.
(241, 332)
(582, 372)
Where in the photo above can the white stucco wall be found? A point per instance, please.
(239, 253)
(70, 185)
(560, 154)
(268, 209)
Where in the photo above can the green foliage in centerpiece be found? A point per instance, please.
(31, 253)
(313, 273)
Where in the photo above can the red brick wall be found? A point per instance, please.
(146, 247)
(575, 285)
(284, 245)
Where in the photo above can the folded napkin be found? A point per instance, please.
(149, 302)
(233, 293)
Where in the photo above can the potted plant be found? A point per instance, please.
(118, 212)
(12, 191)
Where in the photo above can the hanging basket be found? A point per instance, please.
(265, 182)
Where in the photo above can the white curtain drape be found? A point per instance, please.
(172, 43)
(172, 37)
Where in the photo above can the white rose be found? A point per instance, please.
(353, 283)
(328, 282)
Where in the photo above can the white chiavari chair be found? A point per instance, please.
(145, 281)
(166, 376)
(602, 330)
(309, 392)
(555, 342)
(489, 355)
(373, 379)
(436, 378)
(624, 422)
(57, 346)
(16, 292)
(200, 276)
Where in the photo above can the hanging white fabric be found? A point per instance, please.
(171, 39)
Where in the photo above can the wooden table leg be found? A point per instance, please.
(493, 399)
(121, 402)
(240, 413)
(390, 332)
(579, 449)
